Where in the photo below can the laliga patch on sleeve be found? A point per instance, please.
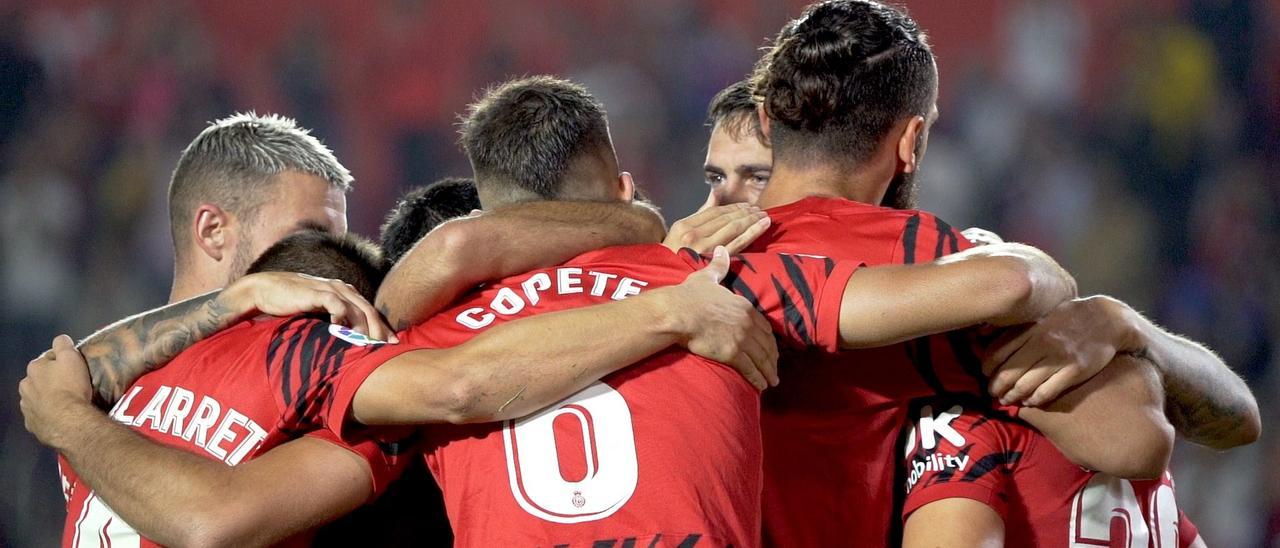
(354, 337)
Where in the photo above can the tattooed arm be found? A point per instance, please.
(1205, 400)
(120, 353)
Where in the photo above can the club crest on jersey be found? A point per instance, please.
(354, 337)
(578, 500)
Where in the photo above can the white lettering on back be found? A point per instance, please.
(176, 412)
(627, 287)
(224, 433)
(123, 405)
(206, 413)
(151, 413)
(568, 280)
(537, 282)
(506, 302)
(475, 318)
(602, 278)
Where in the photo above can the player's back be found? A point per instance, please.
(664, 453)
(833, 419)
(957, 448)
(228, 398)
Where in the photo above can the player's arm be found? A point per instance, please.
(1114, 423)
(120, 353)
(999, 284)
(175, 497)
(517, 368)
(954, 522)
(1204, 399)
(463, 253)
(961, 462)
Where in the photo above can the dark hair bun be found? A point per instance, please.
(825, 52)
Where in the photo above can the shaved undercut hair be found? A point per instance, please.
(234, 162)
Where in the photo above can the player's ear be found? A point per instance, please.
(908, 161)
(626, 187)
(212, 227)
(764, 121)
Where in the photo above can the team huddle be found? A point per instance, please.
(806, 361)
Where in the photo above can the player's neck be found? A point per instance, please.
(790, 184)
(190, 284)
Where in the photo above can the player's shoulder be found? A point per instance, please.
(308, 329)
(840, 208)
(961, 421)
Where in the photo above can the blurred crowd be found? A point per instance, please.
(1136, 140)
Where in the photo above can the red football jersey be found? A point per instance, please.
(663, 453)
(960, 450)
(230, 398)
(832, 422)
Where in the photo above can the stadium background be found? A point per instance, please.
(1136, 140)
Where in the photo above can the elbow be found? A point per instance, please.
(1251, 430)
(452, 239)
(453, 244)
(1025, 288)
(1247, 430)
(462, 402)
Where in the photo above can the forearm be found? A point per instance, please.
(155, 489)
(176, 498)
(516, 368)
(120, 353)
(1206, 401)
(463, 253)
(889, 304)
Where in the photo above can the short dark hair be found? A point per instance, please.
(527, 132)
(734, 109)
(836, 80)
(234, 160)
(422, 209)
(347, 257)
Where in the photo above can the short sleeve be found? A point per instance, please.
(800, 295)
(305, 358)
(345, 385)
(956, 449)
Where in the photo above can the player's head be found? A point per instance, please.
(541, 138)
(850, 85)
(345, 257)
(245, 182)
(739, 160)
(422, 209)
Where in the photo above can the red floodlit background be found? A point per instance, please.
(1136, 140)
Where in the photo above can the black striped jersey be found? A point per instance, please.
(831, 426)
(229, 398)
(956, 448)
